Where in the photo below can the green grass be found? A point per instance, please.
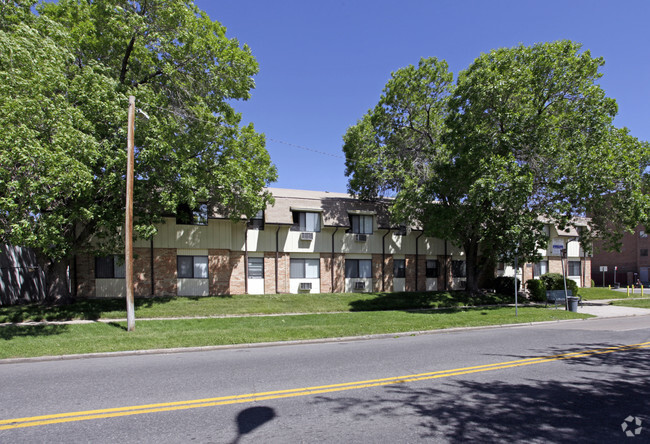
(595, 293)
(640, 303)
(45, 340)
(93, 309)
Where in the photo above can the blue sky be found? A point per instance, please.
(324, 64)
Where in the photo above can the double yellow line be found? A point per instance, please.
(7, 424)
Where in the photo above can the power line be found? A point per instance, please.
(304, 148)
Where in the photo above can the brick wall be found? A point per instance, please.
(142, 272)
(269, 272)
(219, 271)
(422, 273)
(237, 277)
(164, 271)
(339, 273)
(85, 276)
(376, 272)
(410, 272)
(325, 273)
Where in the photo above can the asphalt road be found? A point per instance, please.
(562, 382)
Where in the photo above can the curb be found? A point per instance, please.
(163, 351)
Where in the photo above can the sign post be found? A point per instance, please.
(603, 268)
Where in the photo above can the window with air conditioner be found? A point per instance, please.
(305, 286)
(359, 285)
(306, 236)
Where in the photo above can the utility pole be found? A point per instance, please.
(128, 234)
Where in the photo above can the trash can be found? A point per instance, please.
(573, 303)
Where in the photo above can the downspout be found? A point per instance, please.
(277, 255)
(383, 260)
(246, 259)
(152, 277)
(446, 265)
(332, 271)
(417, 257)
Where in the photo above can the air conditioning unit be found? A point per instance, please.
(361, 237)
(306, 236)
(305, 285)
(359, 285)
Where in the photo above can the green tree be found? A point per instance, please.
(65, 78)
(524, 137)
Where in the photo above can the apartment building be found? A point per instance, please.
(627, 266)
(312, 242)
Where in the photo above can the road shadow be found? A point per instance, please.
(251, 418)
(587, 408)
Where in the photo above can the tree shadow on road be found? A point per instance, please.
(561, 408)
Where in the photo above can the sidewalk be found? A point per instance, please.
(602, 309)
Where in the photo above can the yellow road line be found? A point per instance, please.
(7, 424)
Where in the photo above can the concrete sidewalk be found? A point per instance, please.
(602, 309)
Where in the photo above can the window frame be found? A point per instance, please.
(436, 268)
(399, 268)
(186, 215)
(361, 225)
(115, 266)
(357, 268)
(643, 252)
(572, 264)
(454, 269)
(537, 268)
(303, 261)
(193, 268)
(257, 222)
(300, 221)
(248, 267)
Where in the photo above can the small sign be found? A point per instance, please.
(615, 268)
(603, 268)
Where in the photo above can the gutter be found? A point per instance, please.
(332, 272)
(277, 249)
(383, 260)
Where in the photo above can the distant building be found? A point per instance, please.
(311, 242)
(627, 266)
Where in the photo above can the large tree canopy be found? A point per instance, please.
(524, 136)
(65, 77)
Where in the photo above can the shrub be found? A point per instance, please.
(536, 290)
(505, 285)
(555, 281)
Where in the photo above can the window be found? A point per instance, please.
(358, 268)
(110, 267)
(185, 215)
(458, 269)
(541, 268)
(433, 268)
(501, 266)
(643, 234)
(644, 252)
(361, 224)
(255, 268)
(573, 268)
(193, 267)
(305, 268)
(399, 268)
(305, 221)
(257, 221)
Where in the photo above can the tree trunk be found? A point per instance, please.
(472, 266)
(57, 280)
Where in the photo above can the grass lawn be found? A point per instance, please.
(46, 340)
(93, 309)
(594, 293)
(640, 303)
